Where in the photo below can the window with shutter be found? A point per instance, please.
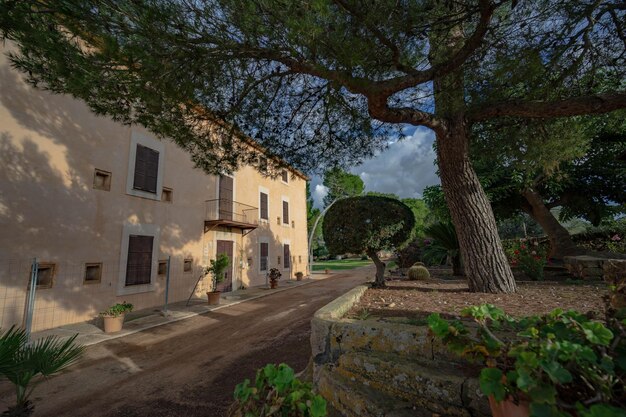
(285, 176)
(287, 256)
(264, 252)
(285, 212)
(264, 207)
(146, 169)
(139, 264)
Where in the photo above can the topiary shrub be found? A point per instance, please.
(419, 264)
(418, 273)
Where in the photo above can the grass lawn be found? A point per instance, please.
(340, 265)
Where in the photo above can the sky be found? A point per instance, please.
(405, 168)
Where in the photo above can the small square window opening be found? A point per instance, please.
(45, 275)
(167, 195)
(187, 265)
(102, 180)
(162, 268)
(93, 273)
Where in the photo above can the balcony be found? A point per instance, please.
(228, 213)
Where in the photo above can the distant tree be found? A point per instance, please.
(368, 224)
(312, 213)
(379, 194)
(571, 165)
(341, 184)
(420, 212)
(325, 83)
(436, 203)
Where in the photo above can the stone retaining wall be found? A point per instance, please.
(372, 368)
(593, 268)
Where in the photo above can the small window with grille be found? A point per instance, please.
(188, 265)
(93, 273)
(167, 195)
(101, 180)
(162, 268)
(45, 275)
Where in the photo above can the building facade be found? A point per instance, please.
(103, 206)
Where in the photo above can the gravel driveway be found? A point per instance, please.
(190, 368)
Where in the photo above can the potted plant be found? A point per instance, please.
(561, 364)
(274, 275)
(114, 316)
(217, 269)
(299, 276)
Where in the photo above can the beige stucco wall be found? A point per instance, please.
(50, 146)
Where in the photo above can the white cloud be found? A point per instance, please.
(405, 168)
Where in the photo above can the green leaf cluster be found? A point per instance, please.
(564, 363)
(117, 309)
(277, 392)
(217, 268)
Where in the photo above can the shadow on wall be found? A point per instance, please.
(252, 251)
(49, 146)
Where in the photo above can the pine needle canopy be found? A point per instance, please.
(317, 83)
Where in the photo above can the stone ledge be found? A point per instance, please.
(392, 363)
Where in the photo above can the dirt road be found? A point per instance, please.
(190, 368)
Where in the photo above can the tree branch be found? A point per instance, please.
(575, 106)
(473, 42)
(378, 109)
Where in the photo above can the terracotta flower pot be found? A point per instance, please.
(214, 297)
(298, 277)
(273, 284)
(508, 408)
(113, 324)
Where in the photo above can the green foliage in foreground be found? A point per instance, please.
(27, 364)
(565, 363)
(277, 392)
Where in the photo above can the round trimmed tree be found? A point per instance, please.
(368, 224)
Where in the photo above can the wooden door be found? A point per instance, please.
(226, 247)
(226, 198)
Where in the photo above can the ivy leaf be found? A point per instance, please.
(491, 383)
(557, 372)
(439, 326)
(318, 406)
(603, 410)
(543, 394)
(596, 333)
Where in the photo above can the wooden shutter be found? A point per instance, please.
(264, 207)
(285, 212)
(139, 264)
(146, 169)
(286, 255)
(264, 249)
(226, 197)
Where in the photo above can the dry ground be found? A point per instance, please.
(417, 299)
(191, 367)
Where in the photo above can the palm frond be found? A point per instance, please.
(10, 343)
(444, 235)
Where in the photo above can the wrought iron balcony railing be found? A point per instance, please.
(231, 213)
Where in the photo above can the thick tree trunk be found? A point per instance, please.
(486, 266)
(379, 282)
(561, 243)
